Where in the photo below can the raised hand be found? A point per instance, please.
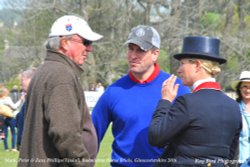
(169, 88)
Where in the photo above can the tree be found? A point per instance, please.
(228, 20)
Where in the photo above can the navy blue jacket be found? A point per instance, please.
(20, 123)
(202, 127)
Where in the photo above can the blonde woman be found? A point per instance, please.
(9, 122)
(203, 127)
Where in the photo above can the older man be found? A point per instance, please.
(26, 77)
(57, 125)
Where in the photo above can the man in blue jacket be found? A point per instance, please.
(202, 127)
(129, 102)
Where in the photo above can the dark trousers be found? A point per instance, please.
(10, 122)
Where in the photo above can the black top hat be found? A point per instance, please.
(201, 47)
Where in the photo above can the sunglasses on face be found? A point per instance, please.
(85, 42)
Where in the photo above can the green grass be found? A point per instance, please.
(104, 155)
(9, 159)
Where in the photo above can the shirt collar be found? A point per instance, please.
(242, 106)
(150, 78)
(197, 83)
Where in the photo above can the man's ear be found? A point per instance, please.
(155, 53)
(64, 44)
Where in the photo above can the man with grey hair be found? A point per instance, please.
(58, 130)
(129, 102)
(25, 81)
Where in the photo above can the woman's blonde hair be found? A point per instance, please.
(4, 92)
(212, 67)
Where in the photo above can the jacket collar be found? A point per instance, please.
(56, 56)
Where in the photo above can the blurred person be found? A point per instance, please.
(128, 103)
(242, 87)
(9, 122)
(14, 94)
(92, 87)
(58, 130)
(2, 135)
(25, 80)
(202, 127)
(99, 87)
